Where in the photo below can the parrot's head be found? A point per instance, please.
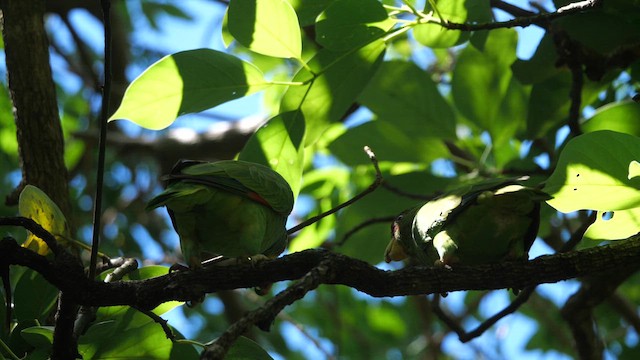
(399, 247)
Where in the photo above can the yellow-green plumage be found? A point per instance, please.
(484, 223)
(228, 208)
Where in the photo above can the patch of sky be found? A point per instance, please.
(85, 203)
(359, 117)
(78, 183)
(213, 305)
(298, 341)
(558, 293)
(150, 249)
(561, 135)
(14, 177)
(542, 160)
(170, 237)
(525, 147)
(189, 327)
(443, 167)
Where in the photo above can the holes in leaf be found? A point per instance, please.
(607, 215)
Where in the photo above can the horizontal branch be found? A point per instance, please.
(67, 275)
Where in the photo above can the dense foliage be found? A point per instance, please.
(439, 94)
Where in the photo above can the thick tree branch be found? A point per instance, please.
(68, 276)
(33, 94)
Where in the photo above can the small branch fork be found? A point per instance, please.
(264, 316)
(524, 21)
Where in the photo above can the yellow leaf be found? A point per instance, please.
(36, 205)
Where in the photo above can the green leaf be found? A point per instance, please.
(33, 296)
(186, 82)
(621, 225)
(129, 334)
(327, 97)
(542, 64)
(593, 173)
(390, 142)
(347, 24)
(620, 117)
(38, 336)
(435, 35)
(268, 27)
(36, 205)
(247, 349)
(308, 10)
(405, 96)
(481, 79)
(279, 145)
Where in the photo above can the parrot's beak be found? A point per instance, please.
(394, 252)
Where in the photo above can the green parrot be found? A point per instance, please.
(483, 223)
(231, 208)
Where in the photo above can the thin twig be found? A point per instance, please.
(539, 19)
(522, 297)
(363, 225)
(367, 191)
(263, 316)
(409, 195)
(104, 115)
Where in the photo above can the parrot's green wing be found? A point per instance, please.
(228, 208)
(479, 223)
(242, 178)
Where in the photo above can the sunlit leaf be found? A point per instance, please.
(634, 170)
(614, 225)
(268, 27)
(279, 145)
(435, 35)
(347, 24)
(593, 173)
(36, 205)
(327, 97)
(186, 82)
(619, 116)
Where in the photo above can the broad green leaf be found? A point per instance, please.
(268, 27)
(390, 142)
(347, 24)
(481, 79)
(593, 173)
(186, 82)
(129, 334)
(340, 79)
(308, 10)
(620, 117)
(39, 336)
(247, 349)
(36, 205)
(436, 36)
(600, 31)
(279, 145)
(621, 225)
(542, 64)
(33, 296)
(404, 95)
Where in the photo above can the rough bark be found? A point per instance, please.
(40, 141)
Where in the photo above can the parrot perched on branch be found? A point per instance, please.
(234, 209)
(483, 223)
